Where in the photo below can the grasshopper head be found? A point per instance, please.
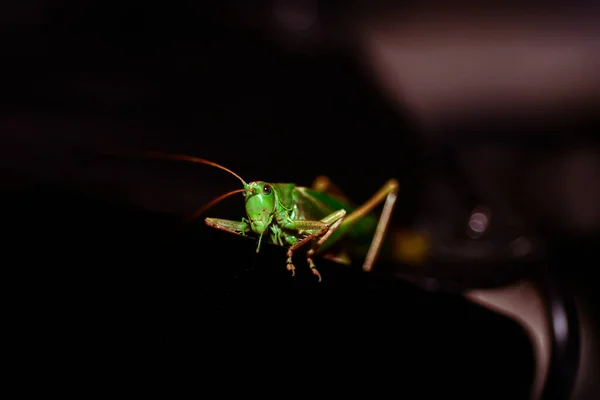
(260, 205)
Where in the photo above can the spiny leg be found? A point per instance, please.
(318, 230)
(338, 217)
(388, 192)
(236, 227)
(324, 184)
(290, 253)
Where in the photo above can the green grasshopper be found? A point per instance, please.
(286, 214)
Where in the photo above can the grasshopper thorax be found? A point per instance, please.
(260, 205)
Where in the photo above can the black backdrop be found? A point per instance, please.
(111, 297)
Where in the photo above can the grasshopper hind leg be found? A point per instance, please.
(387, 194)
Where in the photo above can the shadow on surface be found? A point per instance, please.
(107, 291)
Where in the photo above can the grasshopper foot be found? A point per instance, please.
(290, 267)
(316, 273)
(311, 264)
(314, 270)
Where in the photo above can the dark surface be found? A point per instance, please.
(105, 295)
(109, 295)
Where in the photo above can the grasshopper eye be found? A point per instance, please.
(267, 189)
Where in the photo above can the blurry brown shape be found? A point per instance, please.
(523, 303)
(453, 66)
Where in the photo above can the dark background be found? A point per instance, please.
(109, 295)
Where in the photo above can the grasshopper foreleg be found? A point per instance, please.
(237, 227)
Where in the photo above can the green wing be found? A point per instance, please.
(348, 240)
(285, 193)
(316, 205)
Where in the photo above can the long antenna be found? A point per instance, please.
(205, 207)
(183, 157)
